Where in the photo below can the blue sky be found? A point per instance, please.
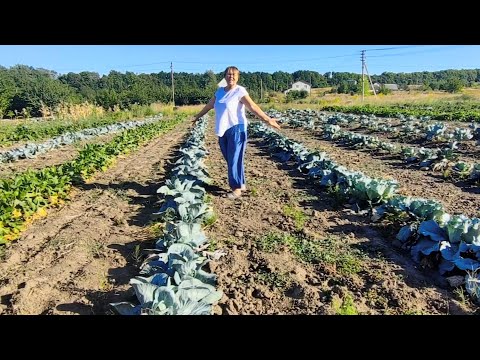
(248, 58)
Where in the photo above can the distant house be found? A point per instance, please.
(414, 87)
(299, 86)
(222, 83)
(393, 87)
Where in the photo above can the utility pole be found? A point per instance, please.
(173, 87)
(261, 89)
(364, 67)
(363, 76)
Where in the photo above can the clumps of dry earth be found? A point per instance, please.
(291, 249)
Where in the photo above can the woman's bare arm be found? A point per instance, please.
(205, 109)
(254, 108)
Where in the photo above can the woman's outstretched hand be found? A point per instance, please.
(273, 123)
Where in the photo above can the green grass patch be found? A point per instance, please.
(344, 306)
(331, 250)
(212, 245)
(270, 241)
(209, 221)
(304, 248)
(298, 216)
(275, 280)
(157, 229)
(328, 251)
(335, 251)
(208, 199)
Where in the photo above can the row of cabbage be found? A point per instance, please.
(419, 129)
(172, 280)
(33, 131)
(422, 129)
(464, 111)
(427, 231)
(436, 132)
(25, 196)
(436, 159)
(30, 150)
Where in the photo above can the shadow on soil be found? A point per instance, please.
(145, 196)
(116, 277)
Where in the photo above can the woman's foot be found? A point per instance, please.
(243, 188)
(234, 194)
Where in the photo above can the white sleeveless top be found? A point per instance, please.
(229, 111)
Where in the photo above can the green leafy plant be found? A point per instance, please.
(137, 254)
(345, 306)
(339, 197)
(297, 215)
(270, 241)
(274, 279)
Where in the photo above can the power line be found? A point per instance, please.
(282, 61)
(412, 52)
(239, 63)
(351, 55)
(394, 48)
(267, 62)
(155, 63)
(289, 65)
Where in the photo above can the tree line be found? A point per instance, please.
(28, 90)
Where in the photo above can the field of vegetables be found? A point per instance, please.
(142, 226)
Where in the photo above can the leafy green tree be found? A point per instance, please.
(293, 95)
(281, 80)
(453, 85)
(384, 90)
(211, 82)
(108, 98)
(366, 87)
(7, 91)
(35, 88)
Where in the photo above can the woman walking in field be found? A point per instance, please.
(229, 103)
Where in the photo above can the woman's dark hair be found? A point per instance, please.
(234, 68)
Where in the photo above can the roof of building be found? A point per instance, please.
(391, 86)
(303, 82)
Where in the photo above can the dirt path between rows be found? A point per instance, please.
(80, 257)
(292, 250)
(413, 182)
